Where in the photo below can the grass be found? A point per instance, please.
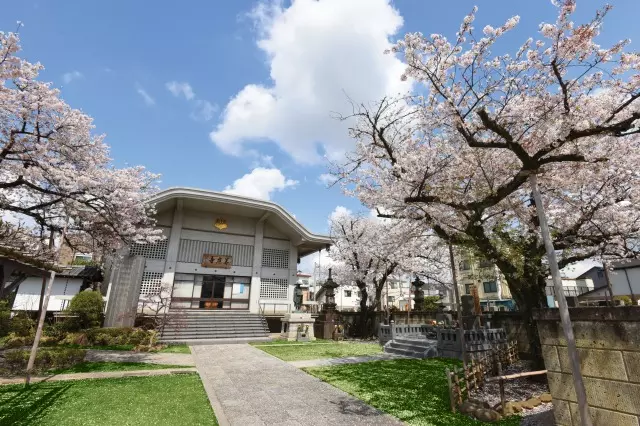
(176, 349)
(160, 400)
(415, 391)
(90, 367)
(314, 351)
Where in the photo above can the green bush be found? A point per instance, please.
(5, 318)
(46, 359)
(88, 307)
(22, 325)
(15, 341)
(626, 299)
(431, 303)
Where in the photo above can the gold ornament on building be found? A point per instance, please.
(220, 223)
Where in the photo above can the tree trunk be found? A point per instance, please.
(364, 312)
(529, 295)
(378, 300)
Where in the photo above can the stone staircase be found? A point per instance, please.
(204, 326)
(414, 347)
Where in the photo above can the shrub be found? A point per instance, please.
(431, 303)
(75, 339)
(15, 341)
(625, 299)
(46, 359)
(5, 318)
(88, 307)
(22, 325)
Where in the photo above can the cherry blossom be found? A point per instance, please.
(456, 156)
(54, 170)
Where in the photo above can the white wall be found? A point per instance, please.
(28, 296)
(620, 285)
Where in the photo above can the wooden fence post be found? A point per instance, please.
(451, 400)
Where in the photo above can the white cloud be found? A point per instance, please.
(337, 212)
(319, 53)
(68, 77)
(326, 179)
(260, 183)
(145, 96)
(262, 160)
(180, 88)
(203, 110)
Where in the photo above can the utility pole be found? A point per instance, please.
(457, 295)
(608, 279)
(565, 319)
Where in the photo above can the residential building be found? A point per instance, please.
(399, 291)
(625, 281)
(493, 290)
(347, 297)
(220, 252)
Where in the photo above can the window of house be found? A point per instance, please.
(392, 285)
(486, 264)
(468, 288)
(490, 286)
(347, 293)
(465, 265)
(391, 299)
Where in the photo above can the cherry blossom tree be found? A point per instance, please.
(456, 157)
(369, 251)
(54, 171)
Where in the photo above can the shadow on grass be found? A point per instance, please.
(22, 406)
(415, 391)
(91, 367)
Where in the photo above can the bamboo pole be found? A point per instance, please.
(517, 375)
(451, 397)
(565, 319)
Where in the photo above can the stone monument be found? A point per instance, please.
(328, 319)
(297, 325)
(419, 295)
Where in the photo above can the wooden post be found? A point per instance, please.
(457, 295)
(501, 383)
(565, 319)
(43, 313)
(451, 397)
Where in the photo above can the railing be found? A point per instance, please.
(265, 311)
(209, 303)
(568, 290)
(391, 331)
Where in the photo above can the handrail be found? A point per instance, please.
(263, 304)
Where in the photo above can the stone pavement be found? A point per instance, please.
(349, 360)
(127, 356)
(98, 375)
(248, 387)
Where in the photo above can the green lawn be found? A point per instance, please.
(415, 391)
(160, 400)
(176, 349)
(89, 367)
(315, 351)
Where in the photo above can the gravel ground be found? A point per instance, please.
(520, 390)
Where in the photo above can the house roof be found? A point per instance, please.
(93, 273)
(624, 264)
(306, 241)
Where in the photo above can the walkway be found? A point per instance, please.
(128, 356)
(248, 387)
(98, 375)
(349, 360)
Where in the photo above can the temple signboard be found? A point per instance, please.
(216, 261)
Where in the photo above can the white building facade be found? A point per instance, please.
(224, 251)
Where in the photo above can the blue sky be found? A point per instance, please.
(205, 92)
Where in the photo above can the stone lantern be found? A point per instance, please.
(330, 286)
(419, 294)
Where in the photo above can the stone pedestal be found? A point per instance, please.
(297, 326)
(327, 322)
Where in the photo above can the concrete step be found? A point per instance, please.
(407, 346)
(405, 352)
(221, 341)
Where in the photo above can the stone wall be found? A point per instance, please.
(608, 341)
(513, 324)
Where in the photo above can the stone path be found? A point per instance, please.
(248, 387)
(99, 375)
(151, 357)
(349, 360)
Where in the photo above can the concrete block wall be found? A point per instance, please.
(608, 341)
